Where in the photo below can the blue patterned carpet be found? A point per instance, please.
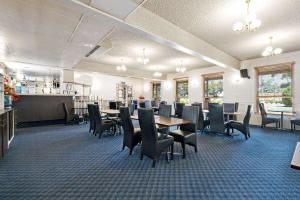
(67, 162)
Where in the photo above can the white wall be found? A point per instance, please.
(104, 85)
(235, 88)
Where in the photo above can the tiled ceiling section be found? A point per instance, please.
(117, 8)
(35, 30)
(212, 20)
(129, 46)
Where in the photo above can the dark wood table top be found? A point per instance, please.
(165, 121)
(295, 164)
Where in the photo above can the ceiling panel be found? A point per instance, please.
(212, 20)
(128, 46)
(35, 30)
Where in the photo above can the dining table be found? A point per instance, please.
(165, 121)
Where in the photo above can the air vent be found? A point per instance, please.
(92, 51)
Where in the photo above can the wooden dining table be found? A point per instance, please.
(111, 111)
(166, 121)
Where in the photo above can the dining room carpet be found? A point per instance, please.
(68, 162)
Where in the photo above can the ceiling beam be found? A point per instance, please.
(153, 27)
(91, 66)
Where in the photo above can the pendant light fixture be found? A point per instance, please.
(181, 69)
(122, 67)
(250, 24)
(270, 50)
(144, 60)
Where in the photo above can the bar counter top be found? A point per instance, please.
(4, 110)
(21, 94)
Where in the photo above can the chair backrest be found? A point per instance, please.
(165, 110)
(142, 105)
(132, 108)
(65, 109)
(96, 114)
(113, 105)
(229, 107)
(200, 116)
(90, 111)
(247, 116)
(148, 104)
(153, 103)
(126, 120)
(216, 118)
(148, 131)
(163, 102)
(190, 113)
(179, 109)
(262, 110)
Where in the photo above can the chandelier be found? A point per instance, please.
(181, 68)
(144, 60)
(251, 22)
(270, 51)
(122, 67)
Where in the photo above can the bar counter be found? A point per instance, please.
(41, 109)
(7, 129)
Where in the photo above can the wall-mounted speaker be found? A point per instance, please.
(244, 73)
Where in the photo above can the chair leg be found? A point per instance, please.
(130, 151)
(172, 151)
(123, 147)
(291, 127)
(153, 163)
(196, 149)
(183, 149)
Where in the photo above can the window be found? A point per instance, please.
(275, 87)
(156, 88)
(182, 91)
(213, 88)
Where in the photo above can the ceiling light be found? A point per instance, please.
(181, 69)
(270, 51)
(157, 74)
(251, 22)
(144, 60)
(122, 67)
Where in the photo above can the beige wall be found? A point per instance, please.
(235, 88)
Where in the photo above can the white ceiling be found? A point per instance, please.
(34, 30)
(129, 46)
(50, 33)
(212, 20)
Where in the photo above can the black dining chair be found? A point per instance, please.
(152, 144)
(294, 122)
(187, 132)
(142, 105)
(113, 105)
(91, 117)
(216, 118)
(202, 123)
(242, 127)
(265, 120)
(102, 125)
(132, 136)
(70, 118)
(178, 109)
(229, 108)
(164, 111)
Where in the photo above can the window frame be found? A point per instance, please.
(257, 73)
(181, 80)
(155, 85)
(212, 76)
